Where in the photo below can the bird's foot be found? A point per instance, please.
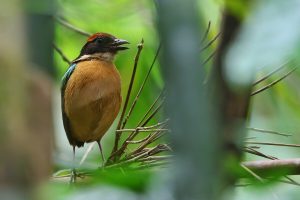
(73, 176)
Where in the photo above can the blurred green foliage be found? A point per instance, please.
(130, 20)
(275, 109)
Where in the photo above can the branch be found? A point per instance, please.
(270, 74)
(209, 57)
(146, 128)
(274, 144)
(210, 42)
(140, 141)
(152, 106)
(273, 83)
(63, 56)
(257, 153)
(252, 173)
(149, 152)
(119, 152)
(71, 27)
(136, 60)
(206, 32)
(140, 129)
(141, 88)
(145, 143)
(274, 167)
(268, 131)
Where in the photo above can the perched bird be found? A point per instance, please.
(91, 91)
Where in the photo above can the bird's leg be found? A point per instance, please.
(101, 152)
(73, 172)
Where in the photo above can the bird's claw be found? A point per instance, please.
(73, 176)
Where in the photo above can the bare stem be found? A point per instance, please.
(145, 143)
(273, 83)
(150, 152)
(147, 128)
(209, 57)
(139, 129)
(60, 52)
(270, 74)
(119, 152)
(254, 152)
(274, 144)
(269, 167)
(141, 88)
(210, 42)
(71, 27)
(136, 60)
(206, 32)
(268, 131)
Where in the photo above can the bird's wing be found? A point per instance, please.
(66, 120)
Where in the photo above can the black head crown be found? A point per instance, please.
(101, 43)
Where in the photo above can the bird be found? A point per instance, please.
(91, 91)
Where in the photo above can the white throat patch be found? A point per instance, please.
(107, 56)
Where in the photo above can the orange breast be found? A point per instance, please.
(92, 99)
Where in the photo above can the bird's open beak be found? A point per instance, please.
(118, 42)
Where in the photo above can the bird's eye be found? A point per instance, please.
(103, 40)
(99, 40)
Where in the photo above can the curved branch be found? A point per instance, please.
(281, 167)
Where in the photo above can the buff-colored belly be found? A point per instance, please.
(92, 99)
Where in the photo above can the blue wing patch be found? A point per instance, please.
(67, 75)
(66, 120)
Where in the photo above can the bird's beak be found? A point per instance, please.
(118, 42)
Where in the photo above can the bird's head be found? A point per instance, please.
(103, 45)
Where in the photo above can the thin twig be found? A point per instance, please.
(152, 138)
(142, 122)
(268, 131)
(63, 56)
(160, 96)
(257, 177)
(156, 125)
(146, 128)
(139, 141)
(118, 152)
(141, 88)
(252, 173)
(150, 152)
(136, 60)
(71, 27)
(273, 83)
(154, 113)
(270, 74)
(292, 181)
(254, 152)
(140, 129)
(210, 42)
(151, 158)
(127, 161)
(157, 136)
(209, 57)
(274, 144)
(150, 165)
(206, 32)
